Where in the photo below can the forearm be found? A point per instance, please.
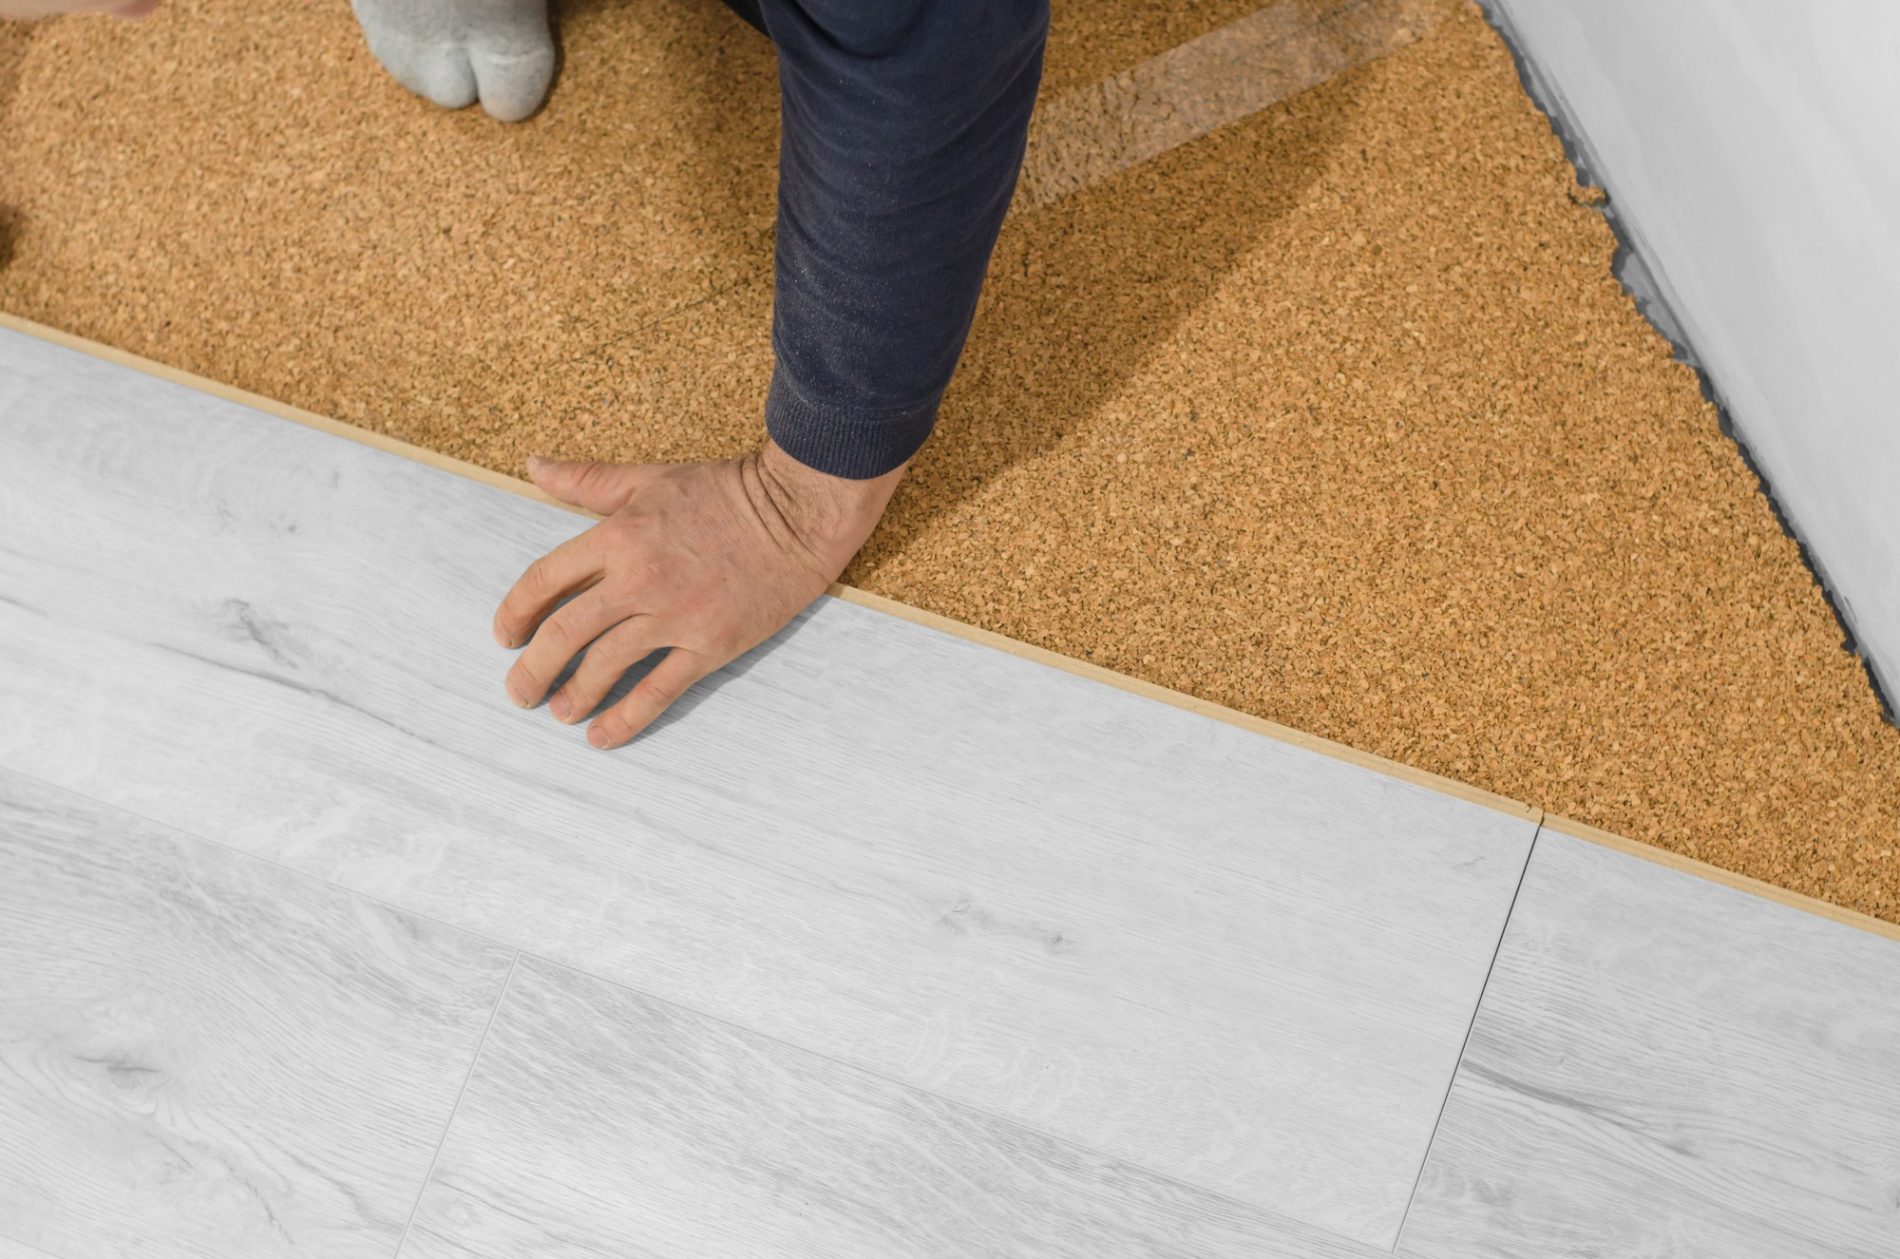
(903, 132)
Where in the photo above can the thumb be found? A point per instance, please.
(602, 488)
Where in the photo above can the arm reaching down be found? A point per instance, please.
(903, 130)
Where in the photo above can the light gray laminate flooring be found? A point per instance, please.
(884, 943)
(1211, 954)
(10, 1249)
(203, 1054)
(603, 1122)
(1667, 1067)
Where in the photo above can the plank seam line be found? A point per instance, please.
(1286, 1222)
(481, 1043)
(38, 1250)
(1290, 1224)
(1444, 1104)
(989, 638)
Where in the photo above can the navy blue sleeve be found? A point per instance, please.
(902, 133)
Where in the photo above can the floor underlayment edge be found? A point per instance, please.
(1643, 277)
(988, 638)
(1715, 874)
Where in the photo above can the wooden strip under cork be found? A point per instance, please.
(1107, 677)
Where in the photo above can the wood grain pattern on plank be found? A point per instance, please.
(202, 1054)
(1666, 1067)
(1229, 960)
(864, 598)
(600, 1121)
(12, 1249)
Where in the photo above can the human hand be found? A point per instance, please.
(705, 559)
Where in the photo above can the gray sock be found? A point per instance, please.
(457, 51)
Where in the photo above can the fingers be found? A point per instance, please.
(610, 656)
(602, 488)
(560, 638)
(553, 577)
(656, 692)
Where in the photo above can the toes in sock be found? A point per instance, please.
(457, 51)
(513, 82)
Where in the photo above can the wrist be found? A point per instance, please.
(827, 517)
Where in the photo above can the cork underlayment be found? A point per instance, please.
(1334, 415)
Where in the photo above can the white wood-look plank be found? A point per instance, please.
(602, 1122)
(11, 1249)
(1666, 1067)
(204, 1055)
(1210, 953)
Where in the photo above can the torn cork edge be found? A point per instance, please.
(1642, 279)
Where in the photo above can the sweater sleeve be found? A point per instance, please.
(902, 132)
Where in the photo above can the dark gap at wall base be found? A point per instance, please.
(1636, 273)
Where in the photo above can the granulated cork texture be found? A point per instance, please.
(1334, 415)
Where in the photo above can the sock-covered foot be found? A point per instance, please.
(458, 51)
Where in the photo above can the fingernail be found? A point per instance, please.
(559, 706)
(515, 694)
(536, 463)
(597, 737)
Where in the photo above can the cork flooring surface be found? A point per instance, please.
(1334, 415)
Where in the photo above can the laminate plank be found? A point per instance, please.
(1666, 1067)
(204, 1055)
(1221, 957)
(11, 1249)
(599, 1121)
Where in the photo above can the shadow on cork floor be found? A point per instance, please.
(13, 48)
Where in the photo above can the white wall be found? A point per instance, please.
(1752, 150)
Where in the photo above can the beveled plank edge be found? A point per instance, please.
(468, 1076)
(1179, 699)
(991, 639)
(282, 410)
(847, 594)
(1716, 874)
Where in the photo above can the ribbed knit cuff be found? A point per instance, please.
(856, 446)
